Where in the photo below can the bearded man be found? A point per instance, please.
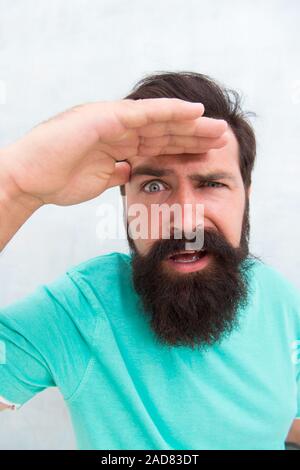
(175, 345)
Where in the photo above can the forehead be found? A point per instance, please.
(225, 158)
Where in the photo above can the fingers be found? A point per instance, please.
(179, 144)
(139, 113)
(120, 176)
(201, 127)
(184, 141)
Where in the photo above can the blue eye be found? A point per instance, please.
(215, 184)
(153, 186)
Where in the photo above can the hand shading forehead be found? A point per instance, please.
(223, 160)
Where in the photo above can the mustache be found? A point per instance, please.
(213, 243)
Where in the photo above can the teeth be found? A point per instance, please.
(186, 251)
(194, 258)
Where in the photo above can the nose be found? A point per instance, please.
(189, 212)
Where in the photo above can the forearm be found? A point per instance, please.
(15, 206)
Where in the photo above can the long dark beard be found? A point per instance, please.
(196, 308)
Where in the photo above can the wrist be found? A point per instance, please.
(10, 192)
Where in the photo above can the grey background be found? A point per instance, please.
(55, 54)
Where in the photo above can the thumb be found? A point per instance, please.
(120, 175)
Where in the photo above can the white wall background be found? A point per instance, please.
(55, 54)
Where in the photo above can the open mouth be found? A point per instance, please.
(187, 256)
(188, 260)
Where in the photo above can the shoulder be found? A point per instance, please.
(103, 277)
(113, 260)
(73, 298)
(109, 267)
(271, 279)
(275, 290)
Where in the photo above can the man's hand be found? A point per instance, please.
(293, 436)
(76, 155)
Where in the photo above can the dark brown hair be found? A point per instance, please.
(219, 102)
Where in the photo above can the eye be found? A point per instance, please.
(153, 186)
(212, 184)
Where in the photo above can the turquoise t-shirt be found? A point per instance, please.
(87, 334)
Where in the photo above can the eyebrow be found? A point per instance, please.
(145, 170)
